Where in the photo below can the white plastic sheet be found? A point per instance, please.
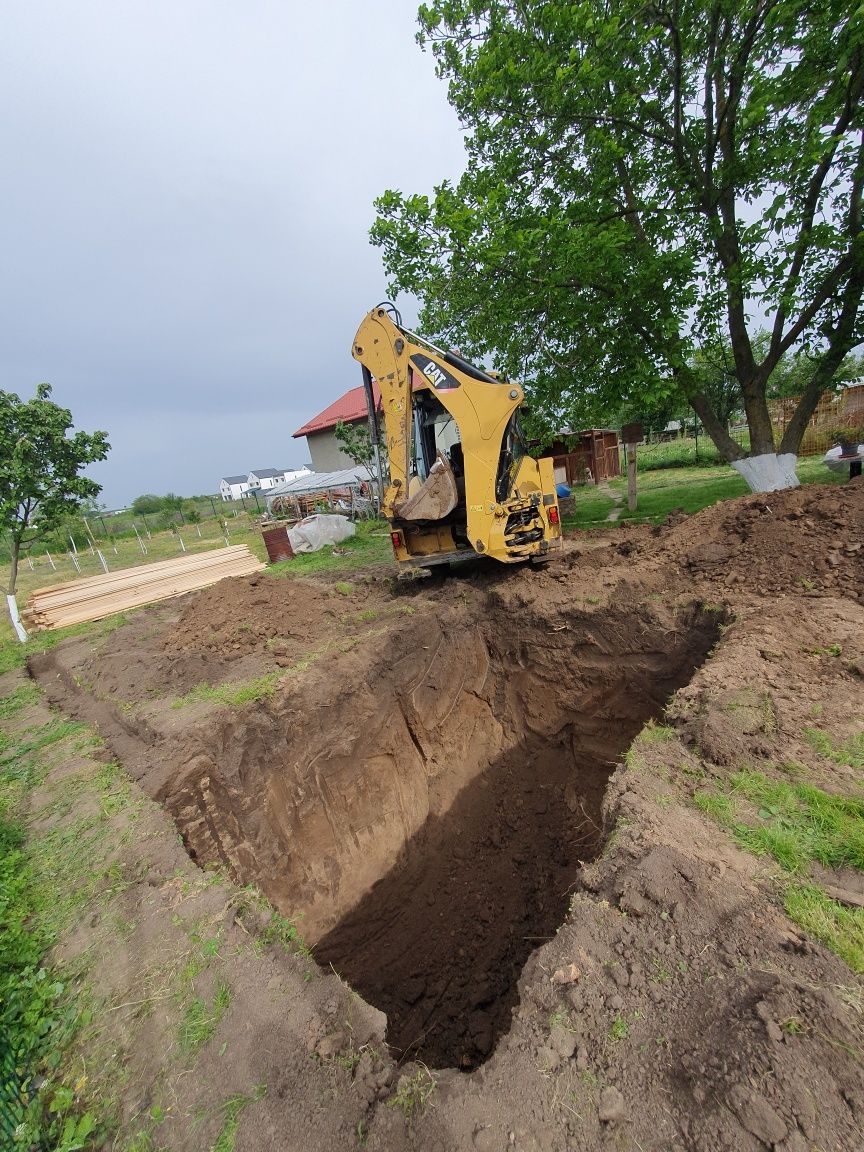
(769, 473)
(318, 531)
(838, 463)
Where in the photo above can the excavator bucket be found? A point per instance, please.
(436, 498)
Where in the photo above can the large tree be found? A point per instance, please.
(645, 180)
(41, 460)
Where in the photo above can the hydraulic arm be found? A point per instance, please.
(459, 478)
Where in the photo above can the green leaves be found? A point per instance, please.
(637, 180)
(41, 459)
(356, 443)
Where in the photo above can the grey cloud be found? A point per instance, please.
(185, 212)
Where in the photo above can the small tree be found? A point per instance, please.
(147, 505)
(40, 469)
(357, 444)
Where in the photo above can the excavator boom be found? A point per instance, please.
(459, 479)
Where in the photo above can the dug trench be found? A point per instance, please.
(440, 941)
(422, 803)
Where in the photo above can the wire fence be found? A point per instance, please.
(14, 1096)
(837, 416)
(113, 532)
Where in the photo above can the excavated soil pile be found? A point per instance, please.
(285, 616)
(235, 630)
(807, 539)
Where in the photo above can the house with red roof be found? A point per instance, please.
(320, 432)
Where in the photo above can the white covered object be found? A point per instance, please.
(20, 631)
(317, 531)
(769, 473)
(838, 463)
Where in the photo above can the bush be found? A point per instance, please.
(147, 504)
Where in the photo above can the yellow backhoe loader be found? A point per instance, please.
(459, 481)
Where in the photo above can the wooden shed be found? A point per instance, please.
(585, 457)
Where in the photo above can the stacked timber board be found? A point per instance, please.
(98, 596)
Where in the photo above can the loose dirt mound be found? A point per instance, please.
(427, 785)
(807, 539)
(288, 617)
(236, 631)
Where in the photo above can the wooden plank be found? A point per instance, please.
(142, 572)
(189, 580)
(99, 609)
(97, 597)
(239, 564)
(190, 560)
(79, 595)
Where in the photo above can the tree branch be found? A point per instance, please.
(821, 296)
(811, 200)
(714, 426)
(708, 106)
(842, 338)
(739, 64)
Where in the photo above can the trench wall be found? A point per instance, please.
(316, 804)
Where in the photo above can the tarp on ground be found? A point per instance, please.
(316, 531)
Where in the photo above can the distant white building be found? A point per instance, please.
(260, 480)
(233, 487)
(264, 478)
(294, 474)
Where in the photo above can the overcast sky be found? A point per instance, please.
(184, 211)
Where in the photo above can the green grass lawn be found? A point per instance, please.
(664, 490)
(593, 505)
(661, 492)
(795, 823)
(683, 453)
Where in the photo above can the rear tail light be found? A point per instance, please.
(396, 540)
(553, 515)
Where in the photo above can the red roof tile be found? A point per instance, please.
(351, 406)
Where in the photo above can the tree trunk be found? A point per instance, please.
(715, 427)
(806, 406)
(704, 409)
(842, 341)
(769, 471)
(13, 566)
(765, 471)
(11, 602)
(758, 417)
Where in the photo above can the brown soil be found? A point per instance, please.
(492, 876)
(427, 787)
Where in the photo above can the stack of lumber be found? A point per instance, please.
(95, 597)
